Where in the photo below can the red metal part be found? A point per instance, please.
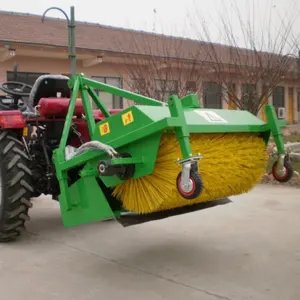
(58, 108)
(11, 119)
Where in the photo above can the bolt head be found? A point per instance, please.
(101, 168)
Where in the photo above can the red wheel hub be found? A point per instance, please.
(280, 177)
(184, 192)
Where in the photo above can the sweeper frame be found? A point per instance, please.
(114, 167)
(189, 183)
(133, 128)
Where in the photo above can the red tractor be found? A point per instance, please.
(31, 124)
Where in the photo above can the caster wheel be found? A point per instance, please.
(194, 187)
(287, 174)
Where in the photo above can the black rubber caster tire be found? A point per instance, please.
(15, 188)
(197, 186)
(288, 174)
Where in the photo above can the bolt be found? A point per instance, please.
(101, 168)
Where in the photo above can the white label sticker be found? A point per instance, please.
(211, 116)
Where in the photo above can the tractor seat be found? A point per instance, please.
(58, 108)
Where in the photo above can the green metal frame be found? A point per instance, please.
(275, 127)
(85, 86)
(141, 139)
(84, 200)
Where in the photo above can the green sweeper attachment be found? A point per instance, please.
(154, 160)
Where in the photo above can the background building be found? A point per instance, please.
(106, 54)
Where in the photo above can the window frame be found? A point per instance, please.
(114, 97)
(38, 74)
(282, 101)
(207, 92)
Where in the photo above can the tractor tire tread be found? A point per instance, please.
(18, 189)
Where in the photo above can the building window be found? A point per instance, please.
(165, 88)
(278, 96)
(212, 95)
(109, 100)
(24, 77)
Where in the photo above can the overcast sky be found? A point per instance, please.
(167, 16)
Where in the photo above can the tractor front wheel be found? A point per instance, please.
(15, 186)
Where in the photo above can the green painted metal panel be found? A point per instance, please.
(88, 203)
(145, 149)
(135, 139)
(159, 118)
(213, 117)
(121, 123)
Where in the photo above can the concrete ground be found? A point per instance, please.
(249, 249)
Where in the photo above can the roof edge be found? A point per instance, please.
(118, 53)
(197, 41)
(122, 29)
(95, 24)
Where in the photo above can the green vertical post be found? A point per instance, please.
(88, 110)
(182, 132)
(68, 120)
(275, 128)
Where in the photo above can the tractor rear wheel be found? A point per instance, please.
(15, 186)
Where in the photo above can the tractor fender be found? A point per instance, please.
(12, 119)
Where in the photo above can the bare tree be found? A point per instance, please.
(157, 65)
(258, 67)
